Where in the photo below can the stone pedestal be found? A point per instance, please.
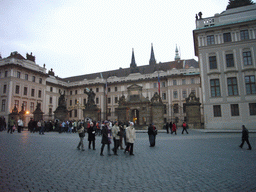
(61, 113)
(93, 113)
(14, 114)
(157, 113)
(122, 114)
(193, 112)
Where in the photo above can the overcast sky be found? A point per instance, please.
(78, 37)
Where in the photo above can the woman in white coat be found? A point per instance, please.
(130, 138)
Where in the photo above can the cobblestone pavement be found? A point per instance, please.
(194, 162)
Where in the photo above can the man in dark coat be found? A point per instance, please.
(152, 135)
(171, 127)
(167, 127)
(91, 136)
(106, 138)
(245, 137)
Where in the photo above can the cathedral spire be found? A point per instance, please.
(152, 60)
(177, 57)
(133, 63)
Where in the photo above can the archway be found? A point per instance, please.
(135, 116)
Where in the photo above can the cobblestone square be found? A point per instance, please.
(194, 162)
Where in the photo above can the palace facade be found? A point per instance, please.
(226, 48)
(23, 83)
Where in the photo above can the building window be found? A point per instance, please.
(32, 107)
(229, 60)
(183, 81)
(75, 92)
(252, 107)
(115, 89)
(39, 93)
(84, 101)
(165, 110)
(3, 105)
(184, 94)
(163, 84)
(175, 108)
(250, 84)
(70, 92)
(70, 102)
(75, 101)
(70, 114)
(193, 91)
(109, 100)
(50, 100)
(6, 74)
(184, 107)
(16, 104)
(210, 40)
(109, 89)
(33, 79)
(24, 105)
(40, 80)
(116, 99)
(97, 100)
(175, 94)
(26, 76)
(244, 34)
(213, 62)
(5, 89)
(192, 81)
(18, 74)
(51, 89)
(155, 85)
(174, 82)
(17, 90)
(75, 112)
(32, 92)
(232, 86)
(234, 110)
(227, 37)
(215, 87)
(25, 91)
(97, 89)
(247, 58)
(50, 111)
(109, 111)
(216, 110)
(164, 96)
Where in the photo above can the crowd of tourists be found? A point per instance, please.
(122, 135)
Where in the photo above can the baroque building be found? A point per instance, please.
(25, 82)
(226, 45)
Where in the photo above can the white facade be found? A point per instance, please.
(226, 47)
(176, 84)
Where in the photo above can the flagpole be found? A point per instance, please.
(158, 84)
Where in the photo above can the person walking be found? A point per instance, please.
(106, 138)
(116, 136)
(121, 135)
(167, 127)
(245, 137)
(20, 125)
(151, 135)
(130, 138)
(81, 134)
(170, 127)
(174, 129)
(91, 136)
(11, 124)
(184, 126)
(42, 128)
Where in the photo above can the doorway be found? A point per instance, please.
(135, 116)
